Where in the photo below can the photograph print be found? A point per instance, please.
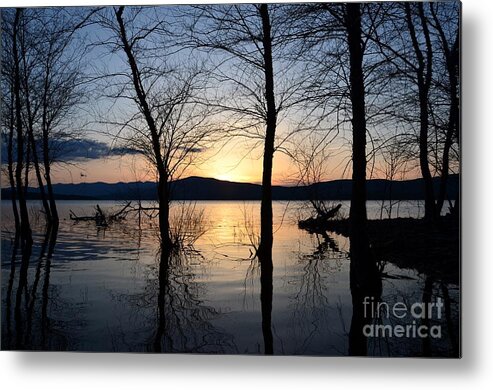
(257, 179)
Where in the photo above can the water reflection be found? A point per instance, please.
(30, 311)
(266, 293)
(8, 299)
(366, 285)
(80, 287)
(183, 319)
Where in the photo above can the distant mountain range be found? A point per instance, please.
(199, 188)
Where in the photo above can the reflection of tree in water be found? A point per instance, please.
(266, 294)
(32, 326)
(311, 309)
(451, 318)
(8, 300)
(183, 319)
(388, 286)
(428, 289)
(365, 281)
(323, 261)
(172, 309)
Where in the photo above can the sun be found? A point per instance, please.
(225, 177)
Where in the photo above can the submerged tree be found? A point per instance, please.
(363, 279)
(48, 61)
(446, 23)
(247, 46)
(357, 214)
(260, 84)
(169, 127)
(334, 39)
(266, 232)
(424, 74)
(62, 89)
(8, 111)
(418, 46)
(25, 227)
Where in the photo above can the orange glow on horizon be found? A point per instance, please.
(237, 164)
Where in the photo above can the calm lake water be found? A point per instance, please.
(99, 291)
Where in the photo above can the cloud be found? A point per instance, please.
(88, 149)
(81, 149)
(120, 151)
(192, 149)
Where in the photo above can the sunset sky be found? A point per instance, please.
(234, 162)
(91, 159)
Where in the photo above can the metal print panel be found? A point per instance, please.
(278, 179)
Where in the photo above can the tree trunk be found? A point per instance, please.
(264, 252)
(266, 229)
(164, 200)
(46, 150)
(357, 213)
(47, 167)
(26, 235)
(32, 142)
(364, 276)
(424, 73)
(10, 164)
(163, 179)
(452, 59)
(51, 195)
(46, 157)
(30, 134)
(423, 158)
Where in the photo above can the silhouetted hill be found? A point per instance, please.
(198, 188)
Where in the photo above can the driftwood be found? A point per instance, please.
(320, 222)
(100, 216)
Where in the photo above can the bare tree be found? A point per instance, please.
(9, 111)
(260, 84)
(357, 213)
(417, 98)
(170, 126)
(25, 228)
(448, 30)
(49, 55)
(266, 232)
(405, 44)
(364, 279)
(62, 89)
(424, 76)
(248, 44)
(29, 40)
(345, 93)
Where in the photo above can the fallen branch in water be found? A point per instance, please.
(319, 223)
(100, 216)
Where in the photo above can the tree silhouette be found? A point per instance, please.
(170, 128)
